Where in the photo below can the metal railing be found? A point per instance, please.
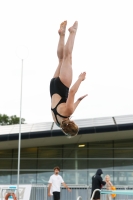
(38, 192)
(78, 192)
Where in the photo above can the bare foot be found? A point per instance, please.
(74, 27)
(62, 28)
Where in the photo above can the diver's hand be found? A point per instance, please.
(80, 98)
(82, 76)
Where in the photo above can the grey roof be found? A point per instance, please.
(124, 119)
(82, 123)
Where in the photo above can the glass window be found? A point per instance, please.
(82, 152)
(25, 164)
(25, 177)
(100, 163)
(100, 150)
(50, 152)
(101, 144)
(69, 153)
(69, 164)
(5, 163)
(129, 176)
(73, 151)
(14, 163)
(5, 177)
(25, 153)
(78, 165)
(14, 177)
(123, 164)
(100, 153)
(69, 177)
(123, 143)
(123, 153)
(6, 153)
(28, 177)
(75, 177)
(82, 177)
(121, 178)
(43, 177)
(28, 164)
(49, 163)
(81, 164)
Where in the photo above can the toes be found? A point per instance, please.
(75, 25)
(63, 24)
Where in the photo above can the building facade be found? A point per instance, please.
(110, 148)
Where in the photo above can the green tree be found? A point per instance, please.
(8, 120)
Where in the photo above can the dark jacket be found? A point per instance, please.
(97, 183)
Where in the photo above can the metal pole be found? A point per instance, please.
(19, 141)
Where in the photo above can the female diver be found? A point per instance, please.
(62, 99)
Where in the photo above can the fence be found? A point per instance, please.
(39, 192)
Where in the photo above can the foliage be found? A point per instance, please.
(9, 120)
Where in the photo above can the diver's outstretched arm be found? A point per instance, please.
(78, 101)
(76, 85)
(70, 106)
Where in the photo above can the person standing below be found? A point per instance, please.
(55, 182)
(108, 186)
(97, 183)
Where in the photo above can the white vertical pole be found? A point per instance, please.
(19, 141)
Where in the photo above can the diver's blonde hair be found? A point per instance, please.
(69, 127)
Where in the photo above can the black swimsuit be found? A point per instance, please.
(57, 87)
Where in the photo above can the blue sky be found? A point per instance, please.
(103, 48)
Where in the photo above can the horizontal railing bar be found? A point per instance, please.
(69, 170)
(99, 158)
